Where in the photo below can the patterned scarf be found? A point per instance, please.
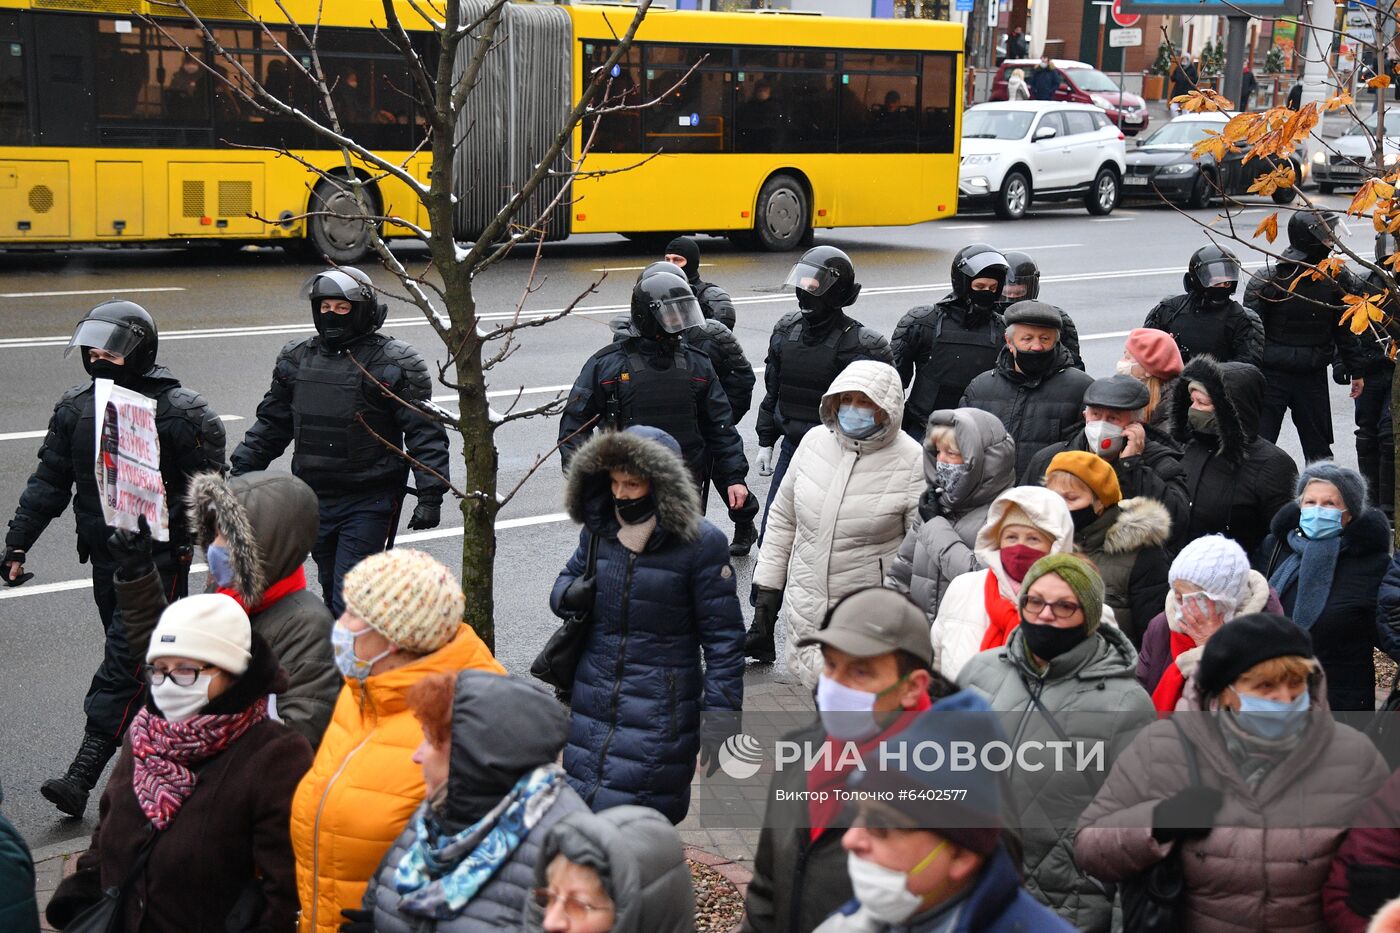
(163, 751)
(440, 874)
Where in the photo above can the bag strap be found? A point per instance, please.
(1193, 767)
(136, 868)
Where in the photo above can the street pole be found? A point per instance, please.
(1122, 57)
(1234, 58)
(1321, 17)
(1103, 21)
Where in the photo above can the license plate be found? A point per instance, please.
(1135, 180)
(1134, 120)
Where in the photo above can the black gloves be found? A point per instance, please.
(357, 921)
(426, 514)
(766, 603)
(1371, 887)
(1187, 814)
(14, 557)
(132, 550)
(578, 595)
(930, 505)
(715, 729)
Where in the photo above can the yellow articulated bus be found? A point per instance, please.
(110, 134)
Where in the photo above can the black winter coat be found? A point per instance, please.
(191, 442)
(857, 342)
(1303, 332)
(715, 302)
(1345, 634)
(1236, 481)
(316, 393)
(1231, 333)
(640, 686)
(1036, 412)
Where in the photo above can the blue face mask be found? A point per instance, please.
(1273, 719)
(1318, 522)
(856, 421)
(220, 568)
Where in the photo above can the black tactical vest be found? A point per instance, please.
(326, 397)
(958, 356)
(808, 371)
(664, 399)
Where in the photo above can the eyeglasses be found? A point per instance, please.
(1060, 608)
(574, 908)
(183, 676)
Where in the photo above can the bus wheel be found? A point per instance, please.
(341, 234)
(783, 220)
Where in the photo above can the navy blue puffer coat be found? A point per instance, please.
(640, 687)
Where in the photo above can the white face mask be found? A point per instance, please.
(1105, 438)
(179, 703)
(343, 649)
(883, 892)
(847, 714)
(1125, 368)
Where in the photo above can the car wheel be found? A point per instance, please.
(1324, 188)
(783, 218)
(1103, 193)
(341, 233)
(1200, 192)
(1014, 198)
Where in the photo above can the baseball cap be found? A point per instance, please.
(872, 622)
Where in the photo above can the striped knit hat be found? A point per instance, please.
(406, 596)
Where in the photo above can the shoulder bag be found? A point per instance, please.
(558, 662)
(1154, 901)
(105, 916)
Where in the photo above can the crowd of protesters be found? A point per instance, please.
(1023, 552)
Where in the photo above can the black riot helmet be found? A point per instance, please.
(1213, 272)
(1022, 273)
(978, 261)
(825, 280)
(1310, 235)
(120, 327)
(367, 312)
(663, 304)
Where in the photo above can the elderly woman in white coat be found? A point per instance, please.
(846, 502)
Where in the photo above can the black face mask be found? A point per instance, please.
(812, 306)
(1035, 363)
(635, 511)
(983, 300)
(1083, 518)
(106, 369)
(1218, 297)
(337, 332)
(1202, 422)
(1048, 642)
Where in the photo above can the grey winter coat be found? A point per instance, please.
(1094, 697)
(941, 547)
(639, 859)
(1128, 545)
(1037, 411)
(1264, 864)
(485, 708)
(270, 522)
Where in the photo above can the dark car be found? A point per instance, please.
(1082, 83)
(1161, 166)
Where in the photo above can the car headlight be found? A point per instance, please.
(1178, 168)
(1319, 157)
(1100, 101)
(977, 159)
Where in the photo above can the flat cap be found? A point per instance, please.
(875, 621)
(1035, 313)
(1118, 391)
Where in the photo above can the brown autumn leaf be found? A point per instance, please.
(1212, 144)
(1379, 81)
(1328, 268)
(1393, 260)
(1366, 197)
(1203, 101)
(1342, 99)
(1241, 126)
(1269, 227)
(1362, 310)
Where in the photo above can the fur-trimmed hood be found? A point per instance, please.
(1140, 523)
(641, 451)
(1236, 390)
(268, 519)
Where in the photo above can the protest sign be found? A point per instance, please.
(129, 483)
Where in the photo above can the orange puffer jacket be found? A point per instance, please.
(363, 785)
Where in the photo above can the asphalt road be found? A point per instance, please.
(224, 317)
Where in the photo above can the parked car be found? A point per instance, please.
(1349, 160)
(1161, 165)
(1082, 83)
(1017, 153)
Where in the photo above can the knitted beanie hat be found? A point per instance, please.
(1217, 565)
(208, 627)
(1096, 473)
(1082, 578)
(1015, 515)
(406, 596)
(1155, 351)
(1350, 483)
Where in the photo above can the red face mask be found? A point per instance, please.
(1017, 560)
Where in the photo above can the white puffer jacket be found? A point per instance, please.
(962, 616)
(842, 511)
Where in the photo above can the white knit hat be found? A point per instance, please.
(209, 627)
(1216, 564)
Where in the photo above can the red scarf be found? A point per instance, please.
(826, 776)
(1173, 682)
(292, 583)
(1002, 614)
(163, 751)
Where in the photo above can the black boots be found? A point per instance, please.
(745, 534)
(758, 644)
(70, 792)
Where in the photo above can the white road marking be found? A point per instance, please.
(91, 291)
(964, 227)
(1111, 220)
(30, 435)
(618, 269)
(43, 589)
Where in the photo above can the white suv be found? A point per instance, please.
(1013, 153)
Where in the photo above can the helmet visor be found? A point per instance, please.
(119, 339)
(1218, 272)
(336, 284)
(988, 265)
(815, 280)
(679, 313)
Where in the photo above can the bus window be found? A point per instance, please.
(937, 104)
(237, 120)
(615, 132)
(879, 102)
(142, 77)
(785, 100)
(692, 115)
(14, 110)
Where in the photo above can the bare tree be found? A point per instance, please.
(465, 37)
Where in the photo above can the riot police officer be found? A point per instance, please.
(942, 347)
(736, 377)
(1303, 334)
(117, 340)
(1207, 318)
(330, 394)
(715, 302)
(807, 350)
(1023, 284)
(653, 377)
